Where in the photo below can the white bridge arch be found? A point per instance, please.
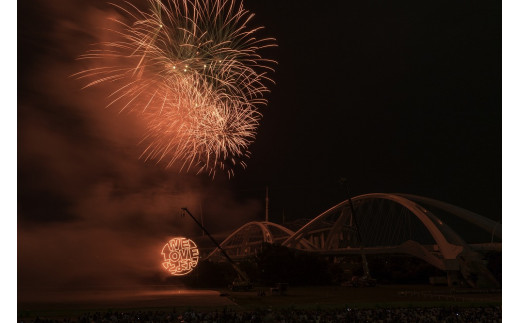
(389, 224)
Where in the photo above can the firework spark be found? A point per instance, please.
(193, 69)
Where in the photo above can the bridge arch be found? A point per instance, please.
(492, 227)
(449, 243)
(334, 233)
(247, 239)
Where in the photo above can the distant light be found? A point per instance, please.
(173, 67)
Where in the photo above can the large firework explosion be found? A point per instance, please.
(193, 69)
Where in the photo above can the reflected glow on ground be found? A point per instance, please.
(155, 296)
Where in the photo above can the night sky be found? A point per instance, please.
(397, 97)
(393, 96)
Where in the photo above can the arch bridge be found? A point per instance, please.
(448, 237)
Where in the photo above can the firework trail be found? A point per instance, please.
(193, 69)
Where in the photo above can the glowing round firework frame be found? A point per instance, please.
(180, 256)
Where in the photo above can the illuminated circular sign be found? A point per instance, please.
(180, 256)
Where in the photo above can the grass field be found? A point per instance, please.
(382, 296)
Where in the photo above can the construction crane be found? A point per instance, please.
(366, 280)
(242, 282)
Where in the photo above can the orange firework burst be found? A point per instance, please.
(193, 68)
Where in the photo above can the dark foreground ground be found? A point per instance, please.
(385, 303)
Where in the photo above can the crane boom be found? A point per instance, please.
(242, 275)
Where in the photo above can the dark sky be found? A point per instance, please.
(394, 96)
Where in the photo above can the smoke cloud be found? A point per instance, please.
(90, 212)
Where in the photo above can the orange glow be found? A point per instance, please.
(180, 256)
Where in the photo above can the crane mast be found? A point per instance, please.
(364, 261)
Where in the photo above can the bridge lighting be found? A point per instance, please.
(180, 256)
